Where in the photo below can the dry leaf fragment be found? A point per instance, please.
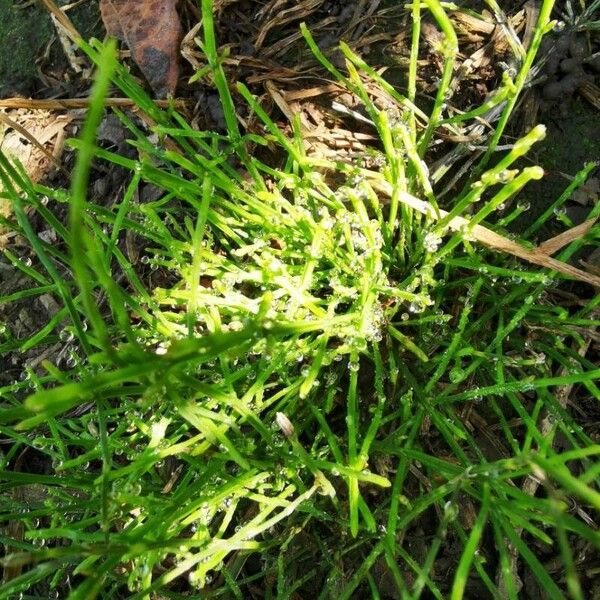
(35, 140)
(152, 30)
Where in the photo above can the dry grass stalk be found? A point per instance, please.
(493, 240)
(75, 103)
(553, 245)
(298, 12)
(591, 92)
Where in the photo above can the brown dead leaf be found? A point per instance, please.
(152, 30)
(35, 139)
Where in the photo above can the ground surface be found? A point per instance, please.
(573, 140)
(30, 51)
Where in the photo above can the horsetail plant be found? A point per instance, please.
(289, 368)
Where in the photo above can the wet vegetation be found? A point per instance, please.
(283, 366)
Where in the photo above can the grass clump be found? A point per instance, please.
(293, 390)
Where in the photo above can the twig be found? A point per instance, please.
(74, 103)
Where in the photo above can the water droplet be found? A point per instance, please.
(450, 510)
(66, 335)
(467, 233)
(560, 211)
(416, 307)
(431, 242)
(456, 375)
(359, 344)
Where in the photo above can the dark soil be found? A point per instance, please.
(32, 61)
(573, 140)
